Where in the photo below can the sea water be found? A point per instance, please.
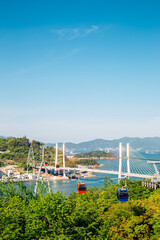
(69, 186)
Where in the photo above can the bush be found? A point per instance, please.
(94, 215)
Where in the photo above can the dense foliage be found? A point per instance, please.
(14, 148)
(17, 149)
(85, 162)
(95, 154)
(94, 215)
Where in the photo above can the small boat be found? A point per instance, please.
(73, 177)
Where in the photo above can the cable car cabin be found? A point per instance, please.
(46, 163)
(57, 166)
(81, 188)
(55, 173)
(122, 194)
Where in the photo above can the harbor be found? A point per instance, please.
(61, 178)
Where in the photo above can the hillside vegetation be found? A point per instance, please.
(94, 215)
(96, 154)
(16, 149)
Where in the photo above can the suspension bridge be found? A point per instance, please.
(130, 163)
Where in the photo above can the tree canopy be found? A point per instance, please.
(94, 215)
(17, 149)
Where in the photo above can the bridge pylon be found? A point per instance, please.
(128, 159)
(120, 159)
(56, 155)
(56, 158)
(64, 174)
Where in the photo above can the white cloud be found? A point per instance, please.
(71, 53)
(92, 29)
(73, 33)
(76, 33)
(61, 32)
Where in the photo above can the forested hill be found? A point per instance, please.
(141, 144)
(97, 214)
(96, 154)
(16, 149)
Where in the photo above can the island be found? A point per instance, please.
(95, 155)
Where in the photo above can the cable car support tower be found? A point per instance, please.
(39, 172)
(31, 159)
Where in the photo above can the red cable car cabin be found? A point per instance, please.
(57, 166)
(46, 163)
(81, 188)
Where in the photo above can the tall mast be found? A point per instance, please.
(64, 174)
(56, 160)
(120, 160)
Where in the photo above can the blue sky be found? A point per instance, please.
(79, 70)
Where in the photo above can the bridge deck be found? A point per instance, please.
(104, 171)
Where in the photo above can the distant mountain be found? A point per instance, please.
(141, 144)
